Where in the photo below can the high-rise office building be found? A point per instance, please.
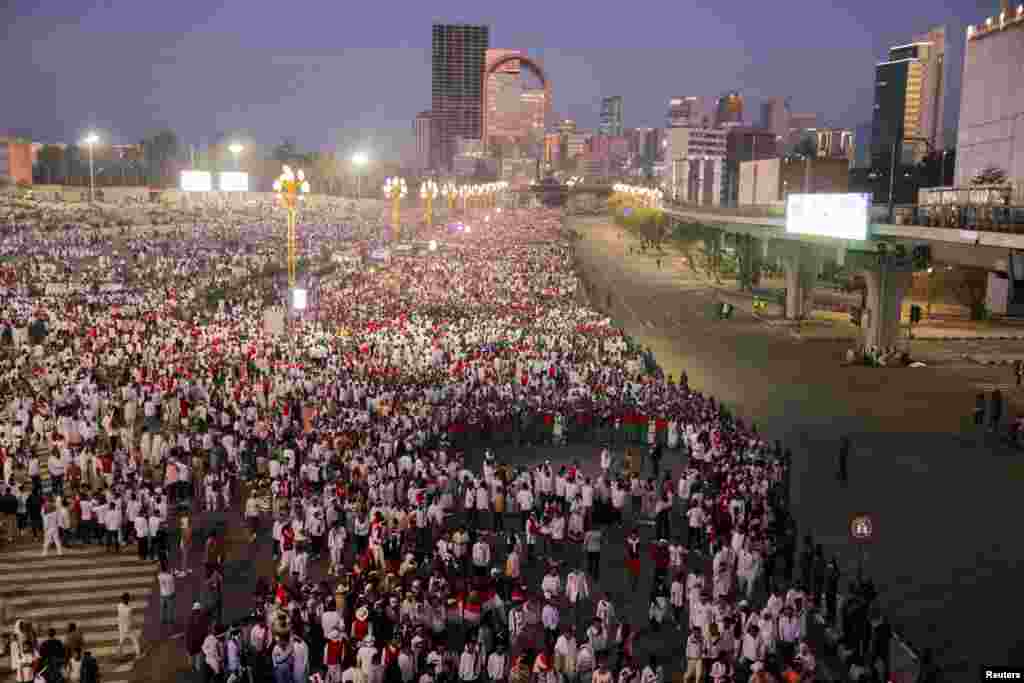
(425, 128)
(775, 112)
(687, 112)
(729, 109)
(909, 94)
(611, 116)
(991, 130)
(458, 59)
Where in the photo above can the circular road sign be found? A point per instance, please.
(862, 528)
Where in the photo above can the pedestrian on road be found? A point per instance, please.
(125, 627)
(996, 409)
(51, 530)
(844, 456)
(979, 410)
(166, 580)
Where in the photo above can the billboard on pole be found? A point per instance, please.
(843, 216)
(196, 181)
(233, 181)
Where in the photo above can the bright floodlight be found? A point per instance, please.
(432, 245)
(359, 159)
(92, 139)
(196, 181)
(235, 148)
(299, 299)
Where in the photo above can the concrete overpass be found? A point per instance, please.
(886, 271)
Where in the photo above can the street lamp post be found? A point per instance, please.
(359, 160)
(236, 149)
(290, 186)
(91, 139)
(395, 188)
(428, 190)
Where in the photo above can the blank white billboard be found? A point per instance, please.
(196, 181)
(233, 181)
(299, 299)
(843, 216)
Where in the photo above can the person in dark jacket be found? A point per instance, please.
(196, 630)
(51, 652)
(34, 505)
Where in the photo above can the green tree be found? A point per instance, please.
(990, 175)
(159, 151)
(805, 149)
(72, 163)
(51, 163)
(287, 152)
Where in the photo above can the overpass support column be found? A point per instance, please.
(887, 284)
(802, 263)
(751, 251)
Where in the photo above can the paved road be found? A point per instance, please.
(940, 492)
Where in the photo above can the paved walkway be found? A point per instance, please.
(940, 492)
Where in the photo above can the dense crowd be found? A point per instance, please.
(454, 455)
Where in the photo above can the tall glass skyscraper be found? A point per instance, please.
(611, 116)
(458, 58)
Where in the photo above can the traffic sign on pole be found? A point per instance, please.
(862, 528)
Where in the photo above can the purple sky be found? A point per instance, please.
(341, 74)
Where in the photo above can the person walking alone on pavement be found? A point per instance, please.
(125, 627)
(996, 409)
(979, 410)
(844, 457)
(51, 529)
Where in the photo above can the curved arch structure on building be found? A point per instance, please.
(524, 60)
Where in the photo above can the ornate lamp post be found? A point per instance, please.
(451, 192)
(428, 191)
(395, 188)
(290, 187)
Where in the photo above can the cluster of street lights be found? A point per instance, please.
(483, 196)
(647, 196)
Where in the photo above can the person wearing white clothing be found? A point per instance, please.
(51, 531)
(125, 628)
(469, 664)
(213, 657)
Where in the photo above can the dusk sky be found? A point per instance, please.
(341, 74)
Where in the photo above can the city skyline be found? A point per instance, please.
(197, 71)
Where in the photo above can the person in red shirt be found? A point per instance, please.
(660, 555)
(633, 557)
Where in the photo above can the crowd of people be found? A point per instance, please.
(466, 471)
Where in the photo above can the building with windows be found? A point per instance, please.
(458, 61)
(729, 109)
(991, 129)
(744, 143)
(909, 94)
(687, 112)
(426, 129)
(834, 143)
(15, 161)
(516, 111)
(611, 116)
(695, 160)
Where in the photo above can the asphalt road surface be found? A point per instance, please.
(941, 493)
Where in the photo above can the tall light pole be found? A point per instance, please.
(91, 139)
(359, 160)
(395, 189)
(290, 186)
(236, 149)
(428, 191)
